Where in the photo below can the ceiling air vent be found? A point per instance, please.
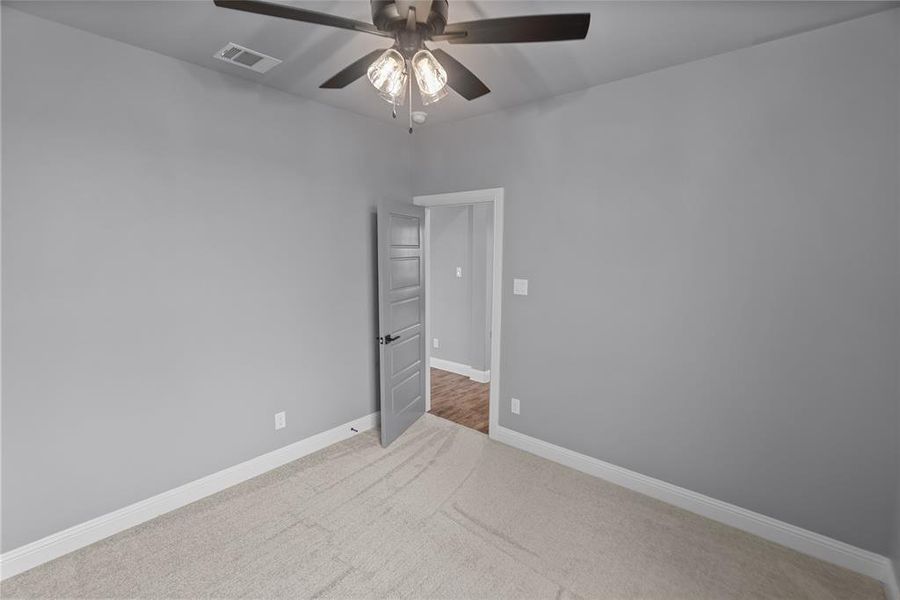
(249, 59)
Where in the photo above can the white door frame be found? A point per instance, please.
(494, 195)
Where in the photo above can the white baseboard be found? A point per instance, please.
(480, 376)
(814, 544)
(449, 365)
(461, 369)
(893, 585)
(56, 545)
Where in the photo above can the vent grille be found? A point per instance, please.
(230, 52)
(246, 58)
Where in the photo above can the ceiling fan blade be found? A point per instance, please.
(300, 14)
(531, 28)
(443, 37)
(459, 77)
(353, 72)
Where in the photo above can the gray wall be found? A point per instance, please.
(184, 254)
(714, 265)
(896, 543)
(481, 243)
(461, 236)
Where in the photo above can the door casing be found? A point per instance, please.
(495, 196)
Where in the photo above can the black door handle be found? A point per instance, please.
(388, 339)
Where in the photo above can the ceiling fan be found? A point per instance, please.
(411, 23)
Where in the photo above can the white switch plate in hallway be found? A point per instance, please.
(280, 420)
(514, 406)
(436, 343)
(459, 271)
(520, 287)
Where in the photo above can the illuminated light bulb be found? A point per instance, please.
(430, 75)
(388, 75)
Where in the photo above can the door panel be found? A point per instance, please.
(401, 311)
(405, 353)
(406, 393)
(406, 230)
(405, 273)
(405, 314)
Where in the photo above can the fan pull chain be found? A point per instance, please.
(409, 80)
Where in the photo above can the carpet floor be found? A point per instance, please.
(443, 513)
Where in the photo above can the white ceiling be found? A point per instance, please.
(625, 39)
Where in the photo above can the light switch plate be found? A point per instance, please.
(436, 343)
(520, 287)
(280, 420)
(514, 406)
(459, 271)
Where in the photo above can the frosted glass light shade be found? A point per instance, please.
(388, 75)
(430, 75)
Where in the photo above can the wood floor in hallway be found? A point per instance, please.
(459, 399)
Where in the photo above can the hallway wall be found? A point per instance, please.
(461, 237)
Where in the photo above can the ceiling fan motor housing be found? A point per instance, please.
(386, 15)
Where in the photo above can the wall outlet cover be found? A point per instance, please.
(520, 287)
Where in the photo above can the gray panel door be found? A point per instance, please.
(401, 316)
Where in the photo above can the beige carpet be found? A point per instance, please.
(443, 513)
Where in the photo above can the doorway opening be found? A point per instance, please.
(463, 271)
